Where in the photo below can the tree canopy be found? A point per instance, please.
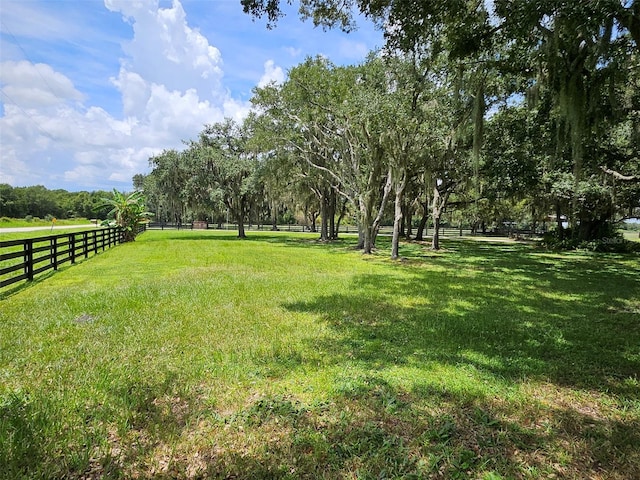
(475, 112)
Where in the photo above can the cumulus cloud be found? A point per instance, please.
(171, 78)
(169, 83)
(32, 86)
(272, 73)
(165, 50)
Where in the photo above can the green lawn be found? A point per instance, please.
(23, 235)
(191, 354)
(38, 222)
(631, 235)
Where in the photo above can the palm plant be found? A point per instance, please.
(128, 211)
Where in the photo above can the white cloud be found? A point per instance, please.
(95, 90)
(272, 73)
(169, 83)
(293, 52)
(165, 50)
(32, 86)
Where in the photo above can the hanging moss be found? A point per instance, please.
(479, 108)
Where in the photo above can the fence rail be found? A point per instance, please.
(384, 229)
(23, 259)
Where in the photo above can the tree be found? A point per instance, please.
(314, 116)
(128, 211)
(166, 185)
(223, 151)
(578, 56)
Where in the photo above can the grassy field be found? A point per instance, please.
(4, 236)
(195, 355)
(38, 234)
(631, 235)
(38, 222)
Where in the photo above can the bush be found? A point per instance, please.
(614, 243)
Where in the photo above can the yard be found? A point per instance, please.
(191, 354)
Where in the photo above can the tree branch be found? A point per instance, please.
(619, 176)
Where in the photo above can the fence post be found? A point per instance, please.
(95, 242)
(28, 258)
(85, 244)
(72, 250)
(54, 252)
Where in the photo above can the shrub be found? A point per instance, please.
(613, 243)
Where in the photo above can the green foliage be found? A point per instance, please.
(565, 75)
(37, 201)
(128, 211)
(609, 240)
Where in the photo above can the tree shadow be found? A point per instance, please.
(515, 315)
(376, 430)
(111, 438)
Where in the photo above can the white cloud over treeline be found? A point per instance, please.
(169, 84)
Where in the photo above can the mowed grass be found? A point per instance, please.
(6, 222)
(196, 355)
(631, 235)
(37, 234)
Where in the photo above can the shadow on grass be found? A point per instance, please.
(374, 430)
(568, 320)
(509, 312)
(44, 435)
(278, 237)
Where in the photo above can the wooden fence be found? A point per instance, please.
(25, 258)
(384, 229)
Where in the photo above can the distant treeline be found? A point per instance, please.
(38, 201)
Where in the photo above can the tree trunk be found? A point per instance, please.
(324, 213)
(438, 203)
(420, 231)
(332, 215)
(435, 243)
(313, 216)
(343, 211)
(397, 219)
(408, 216)
(559, 221)
(239, 214)
(274, 216)
(422, 226)
(367, 243)
(383, 203)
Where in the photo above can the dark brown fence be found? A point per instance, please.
(24, 259)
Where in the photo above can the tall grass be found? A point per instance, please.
(196, 355)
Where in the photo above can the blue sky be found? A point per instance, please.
(90, 89)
